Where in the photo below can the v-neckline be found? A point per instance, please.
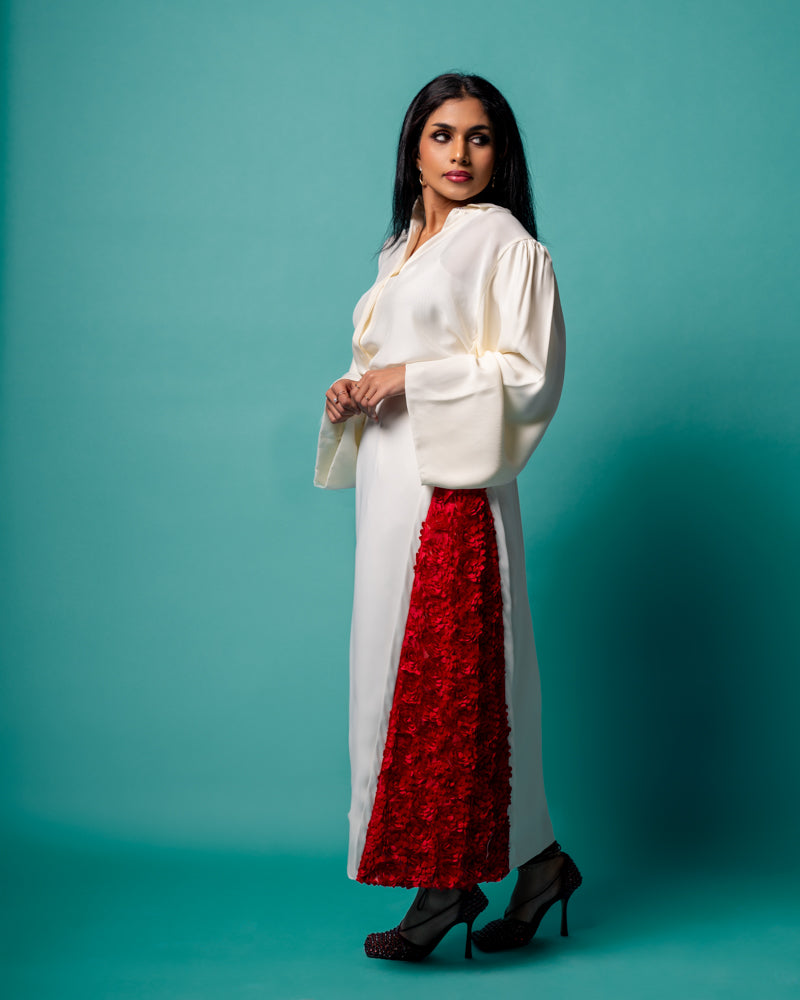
(419, 220)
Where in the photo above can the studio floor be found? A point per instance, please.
(84, 922)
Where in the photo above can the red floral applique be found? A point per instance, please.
(440, 817)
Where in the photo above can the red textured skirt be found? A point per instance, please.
(440, 816)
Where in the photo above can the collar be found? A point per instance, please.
(418, 212)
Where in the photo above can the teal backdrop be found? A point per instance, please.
(194, 193)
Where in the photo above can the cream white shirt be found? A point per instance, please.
(476, 318)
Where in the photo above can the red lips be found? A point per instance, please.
(458, 175)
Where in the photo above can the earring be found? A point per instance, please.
(421, 180)
(491, 185)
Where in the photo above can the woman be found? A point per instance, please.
(458, 363)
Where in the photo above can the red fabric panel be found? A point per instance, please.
(440, 817)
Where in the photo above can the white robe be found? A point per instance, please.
(475, 316)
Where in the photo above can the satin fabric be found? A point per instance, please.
(475, 316)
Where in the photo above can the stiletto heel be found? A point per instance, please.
(391, 944)
(502, 935)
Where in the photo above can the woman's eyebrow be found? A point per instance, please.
(472, 128)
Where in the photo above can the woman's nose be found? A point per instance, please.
(460, 151)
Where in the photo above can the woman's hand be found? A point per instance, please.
(374, 386)
(338, 401)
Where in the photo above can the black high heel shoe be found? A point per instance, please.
(392, 945)
(502, 935)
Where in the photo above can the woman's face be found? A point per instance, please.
(456, 149)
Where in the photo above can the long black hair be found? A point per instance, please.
(511, 187)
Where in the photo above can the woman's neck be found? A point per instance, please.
(436, 209)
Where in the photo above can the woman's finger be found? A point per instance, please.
(365, 394)
(373, 397)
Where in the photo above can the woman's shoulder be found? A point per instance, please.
(501, 228)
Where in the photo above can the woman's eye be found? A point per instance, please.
(441, 136)
(481, 140)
